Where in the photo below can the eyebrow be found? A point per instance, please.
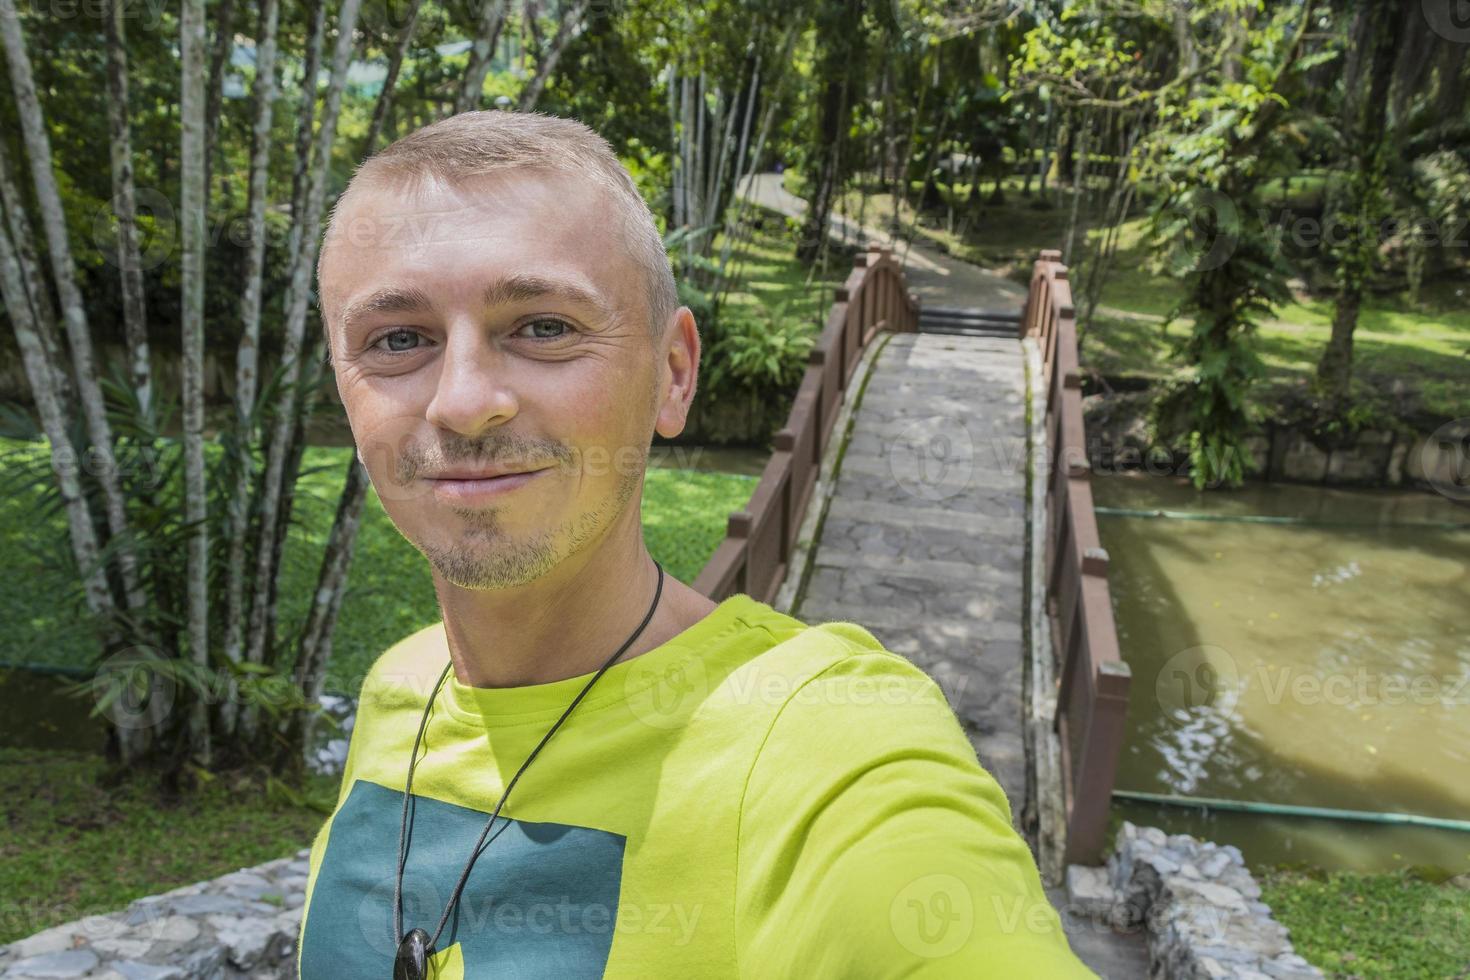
(517, 288)
(526, 286)
(390, 300)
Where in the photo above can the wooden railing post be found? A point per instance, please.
(1093, 680)
(759, 540)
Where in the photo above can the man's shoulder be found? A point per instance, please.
(831, 646)
(407, 670)
(839, 668)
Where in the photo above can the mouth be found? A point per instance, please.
(461, 486)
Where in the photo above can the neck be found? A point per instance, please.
(569, 621)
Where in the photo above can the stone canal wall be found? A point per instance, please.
(1199, 904)
(1430, 457)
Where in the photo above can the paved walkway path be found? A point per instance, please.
(924, 539)
(939, 279)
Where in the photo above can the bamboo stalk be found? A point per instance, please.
(297, 296)
(192, 197)
(130, 265)
(247, 354)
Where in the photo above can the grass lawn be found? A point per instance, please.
(74, 848)
(769, 275)
(1370, 926)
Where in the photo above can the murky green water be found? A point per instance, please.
(1321, 664)
(37, 712)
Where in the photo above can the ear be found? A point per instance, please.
(679, 362)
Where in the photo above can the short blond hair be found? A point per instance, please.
(473, 144)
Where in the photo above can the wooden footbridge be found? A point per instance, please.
(908, 493)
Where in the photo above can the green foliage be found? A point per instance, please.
(1370, 926)
(1209, 154)
(760, 349)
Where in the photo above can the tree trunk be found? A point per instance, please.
(570, 26)
(1335, 369)
(316, 634)
(1380, 25)
(1079, 187)
(247, 353)
(492, 21)
(224, 44)
(129, 263)
(192, 197)
(826, 178)
(305, 114)
(390, 82)
(37, 293)
(56, 423)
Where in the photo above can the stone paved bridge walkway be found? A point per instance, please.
(924, 538)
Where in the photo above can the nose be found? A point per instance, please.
(473, 392)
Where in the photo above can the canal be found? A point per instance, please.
(1295, 645)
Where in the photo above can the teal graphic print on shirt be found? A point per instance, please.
(540, 902)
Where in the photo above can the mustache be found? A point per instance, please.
(515, 450)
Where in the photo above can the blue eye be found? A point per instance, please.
(547, 322)
(397, 335)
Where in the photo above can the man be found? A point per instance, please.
(739, 794)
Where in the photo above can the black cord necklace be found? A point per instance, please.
(416, 946)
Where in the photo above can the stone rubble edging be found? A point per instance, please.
(1200, 905)
(239, 926)
(326, 751)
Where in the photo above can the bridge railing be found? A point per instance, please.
(759, 539)
(1093, 680)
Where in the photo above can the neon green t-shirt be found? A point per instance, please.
(754, 798)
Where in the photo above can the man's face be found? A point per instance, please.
(493, 326)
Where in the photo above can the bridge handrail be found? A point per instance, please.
(1092, 692)
(759, 539)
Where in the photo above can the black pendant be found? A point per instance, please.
(412, 961)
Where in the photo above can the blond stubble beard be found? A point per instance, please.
(485, 558)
